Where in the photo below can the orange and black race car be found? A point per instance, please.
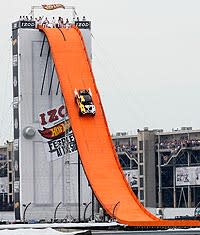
(83, 98)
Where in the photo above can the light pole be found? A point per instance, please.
(25, 209)
(86, 206)
(54, 216)
(113, 214)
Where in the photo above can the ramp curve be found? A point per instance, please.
(92, 135)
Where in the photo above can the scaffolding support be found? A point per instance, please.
(45, 70)
(159, 176)
(79, 189)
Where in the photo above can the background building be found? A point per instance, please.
(6, 177)
(168, 165)
(163, 168)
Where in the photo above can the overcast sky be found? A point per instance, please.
(146, 61)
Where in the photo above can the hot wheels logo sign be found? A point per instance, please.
(53, 6)
(56, 133)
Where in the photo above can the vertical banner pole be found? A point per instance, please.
(92, 205)
(79, 189)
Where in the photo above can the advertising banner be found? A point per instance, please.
(83, 24)
(16, 116)
(132, 177)
(53, 6)
(3, 184)
(187, 176)
(56, 133)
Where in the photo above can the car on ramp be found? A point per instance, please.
(83, 98)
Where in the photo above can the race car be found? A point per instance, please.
(83, 98)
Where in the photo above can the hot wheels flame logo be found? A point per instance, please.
(53, 6)
(56, 131)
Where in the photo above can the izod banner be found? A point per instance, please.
(56, 133)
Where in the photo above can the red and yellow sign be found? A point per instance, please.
(55, 131)
(53, 6)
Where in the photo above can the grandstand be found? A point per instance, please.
(163, 160)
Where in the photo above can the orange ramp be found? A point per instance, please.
(92, 136)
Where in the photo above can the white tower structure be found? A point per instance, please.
(45, 154)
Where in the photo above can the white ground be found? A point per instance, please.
(46, 231)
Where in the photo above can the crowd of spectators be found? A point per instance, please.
(3, 157)
(51, 23)
(126, 148)
(25, 18)
(174, 146)
(177, 144)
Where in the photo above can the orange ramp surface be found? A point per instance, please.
(92, 136)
